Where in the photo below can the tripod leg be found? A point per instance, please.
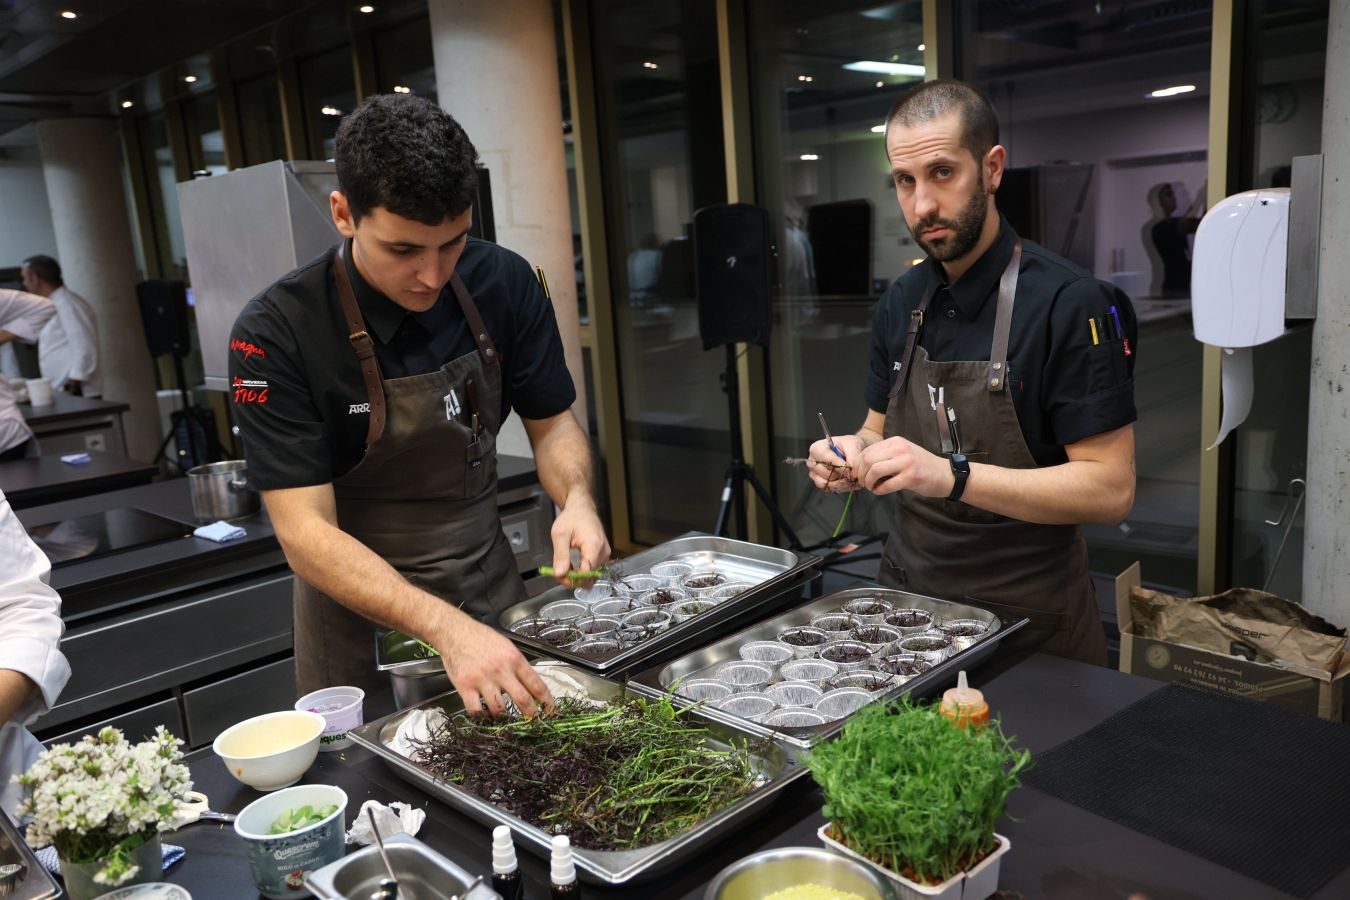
(778, 517)
(728, 492)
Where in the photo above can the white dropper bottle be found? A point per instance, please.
(564, 884)
(506, 879)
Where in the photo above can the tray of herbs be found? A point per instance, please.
(637, 782)
(700, 582)
(830, 656)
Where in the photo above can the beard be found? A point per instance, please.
(965, 228)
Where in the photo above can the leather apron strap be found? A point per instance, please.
(363, 345)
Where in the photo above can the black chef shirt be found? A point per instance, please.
(299, 398)
(1064, 387)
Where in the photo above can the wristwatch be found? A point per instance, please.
(960, 472)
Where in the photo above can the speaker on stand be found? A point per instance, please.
(163, 306)
(733, 267)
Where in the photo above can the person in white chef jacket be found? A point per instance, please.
(22, 316)
(32, 668)
(68, 344)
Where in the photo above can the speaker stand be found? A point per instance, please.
(190, 418)
(740, 473)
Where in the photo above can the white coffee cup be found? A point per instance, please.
(40, 392)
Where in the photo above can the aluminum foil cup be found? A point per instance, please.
(794, 717)
(531, 627)
(847, 655)
(654, 620)
(868, 610)
(618, 607)
(634, 586)
(683, 612)
(909, 621)
(703, 689)
(564, 610)
(836, 624)
(562, 637)
(901, 666)
(771, 653)
(663, 597)
(750, 705)
(727, 591)
(743, 675)
(804, 640)
(597, 646)
(700, 583)
(841, 702)
(795, 693)
(877, 636)
(672, 573)
(816, 671)
(963, 632)
(597, 626)
(597, 591)
(931, 646)
(632, 635)
(870, 681)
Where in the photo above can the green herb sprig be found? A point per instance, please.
(300, 817)
(910, 791)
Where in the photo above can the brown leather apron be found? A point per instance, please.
(954, 551)
(423, 497)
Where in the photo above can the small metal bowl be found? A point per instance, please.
(795, 693)
(564, 611)
(847, 655)
(880, 638)
(531, 627)
(816, 671)
(771, 653)
(901, 666)
(769, 871)
(868, 610)
(683, 612)
(618, 607)
(751, 705)
(663, 597)
(700, 583)
(842, 701)
(563, 637)
(672, 573)
(597, 591)
(597, 626)
(804, 640)
(793, 717)
(909, 621)
(743, 675)
(930, 646)
(836, 624)
(869, 680)
(703, 689)
(964, 632)
(634, 586)
(596, 646)
(727, 591)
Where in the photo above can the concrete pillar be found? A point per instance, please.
(82, 167)
(1326, 549)
(497, 74)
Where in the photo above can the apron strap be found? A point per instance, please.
(362, 344)
(1007, 293)
(470, 309)
(911, 341)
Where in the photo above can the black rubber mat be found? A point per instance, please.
(1254, 788)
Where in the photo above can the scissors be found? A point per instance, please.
(195, 807)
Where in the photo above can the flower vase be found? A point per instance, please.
(79, 877)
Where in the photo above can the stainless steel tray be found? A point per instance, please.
(658, 679)
(773, 570)
(778, 766)
(30, 881)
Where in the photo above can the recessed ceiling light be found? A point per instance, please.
(806, 78)
(127, 104)
(365, 9)
(881, 84)
(809, 157)
(884, 68)
(69, 14)
(1173, 91)
(650, 65)
(330, 110)
(878, 129)
(923, 47)
(190, 79)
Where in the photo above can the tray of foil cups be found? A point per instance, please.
(654, 603)
(799, 675)
(406, 741)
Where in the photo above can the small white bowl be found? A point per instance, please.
(273, 750)
(341, 708)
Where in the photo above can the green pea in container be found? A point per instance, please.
(281, 863)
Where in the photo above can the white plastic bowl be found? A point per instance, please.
(341, 707)
(273, 750)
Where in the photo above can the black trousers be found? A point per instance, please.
(14, 453)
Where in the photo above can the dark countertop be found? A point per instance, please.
(45, 479)
(1058, 851)
(68, 406)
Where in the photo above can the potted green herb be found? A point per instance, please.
(918, 798)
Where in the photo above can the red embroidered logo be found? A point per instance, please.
(249, 391)
(247, 349)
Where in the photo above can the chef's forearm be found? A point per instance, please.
(14, 690)
(1075, 492)
(562, 456)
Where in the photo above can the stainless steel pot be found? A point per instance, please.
(220, 490)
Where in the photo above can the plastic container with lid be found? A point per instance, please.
(964, 705)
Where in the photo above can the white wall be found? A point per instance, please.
(26, 226)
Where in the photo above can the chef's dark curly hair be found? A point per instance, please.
(408, 155)
(934, 99)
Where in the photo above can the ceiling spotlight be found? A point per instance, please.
(881, 84)
(190, 79)
(809, 157)
(878, 129)
(69, 14)
(330, 110)
(402, 89)
(806, 78)
(365, 9)
(1173, 91)
(127, 104)
(923, 47)
(650, 65)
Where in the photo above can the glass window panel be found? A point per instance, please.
(1104, 173)
(823, 175)
(206, 142)
(161, 184)
(260, 130)
(328, 92)
(403, 59)
(659, 105)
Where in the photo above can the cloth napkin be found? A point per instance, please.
(52, 863)
(76, 459)
(220, 532)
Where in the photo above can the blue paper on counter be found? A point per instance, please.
(76, 459)
(52, 863)
(220, 532)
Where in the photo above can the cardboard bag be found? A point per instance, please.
(1242, 622)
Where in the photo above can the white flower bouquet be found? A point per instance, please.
(99, 800)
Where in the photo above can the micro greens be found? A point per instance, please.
(910, 792)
